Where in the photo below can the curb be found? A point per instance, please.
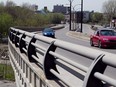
(79, 35)
(58, 27)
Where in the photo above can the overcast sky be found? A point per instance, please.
(89, 5)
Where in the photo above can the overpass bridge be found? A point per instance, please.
(40, 61)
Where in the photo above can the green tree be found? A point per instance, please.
(25, 16)
(109, 9)
(2, 9)
(96, 17)
(56, 18)
(6, 21)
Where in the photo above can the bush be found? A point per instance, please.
(17, 16)
(6, 72)
(6, 21)
(56, 18)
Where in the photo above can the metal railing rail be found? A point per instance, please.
(44, 53)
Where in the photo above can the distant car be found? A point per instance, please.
(103, 38)
(49, 32)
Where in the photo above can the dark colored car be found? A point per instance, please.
(49, 32)
(103, 38)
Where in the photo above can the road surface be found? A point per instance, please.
(61, 34)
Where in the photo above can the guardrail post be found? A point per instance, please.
(49, 62)
(31, 50)
(16, 39)
(22, 43)
(13, 36)
(96, 66)
(10, 34)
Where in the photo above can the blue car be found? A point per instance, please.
(49, 32)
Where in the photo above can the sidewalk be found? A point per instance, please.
(4, 83)
(3, 52)
(78, 35)
(86, 34)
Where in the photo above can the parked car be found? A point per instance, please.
(49, 32)
(103, 38)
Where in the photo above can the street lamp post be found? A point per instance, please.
(81, 16)
(74, 14)
(70, 14)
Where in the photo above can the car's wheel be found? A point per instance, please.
(99, 44)
(91, 42)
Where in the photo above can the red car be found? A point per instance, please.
(103, 38)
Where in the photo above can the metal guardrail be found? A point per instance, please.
(39, 61)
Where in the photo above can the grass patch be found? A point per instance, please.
(6, 72)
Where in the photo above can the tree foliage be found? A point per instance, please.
(56, 18)
(96, 17)
(6, 21)
(13, 15)
(109, 9)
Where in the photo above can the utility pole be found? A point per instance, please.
(81, 16)
(74, 16)
(70, 15)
